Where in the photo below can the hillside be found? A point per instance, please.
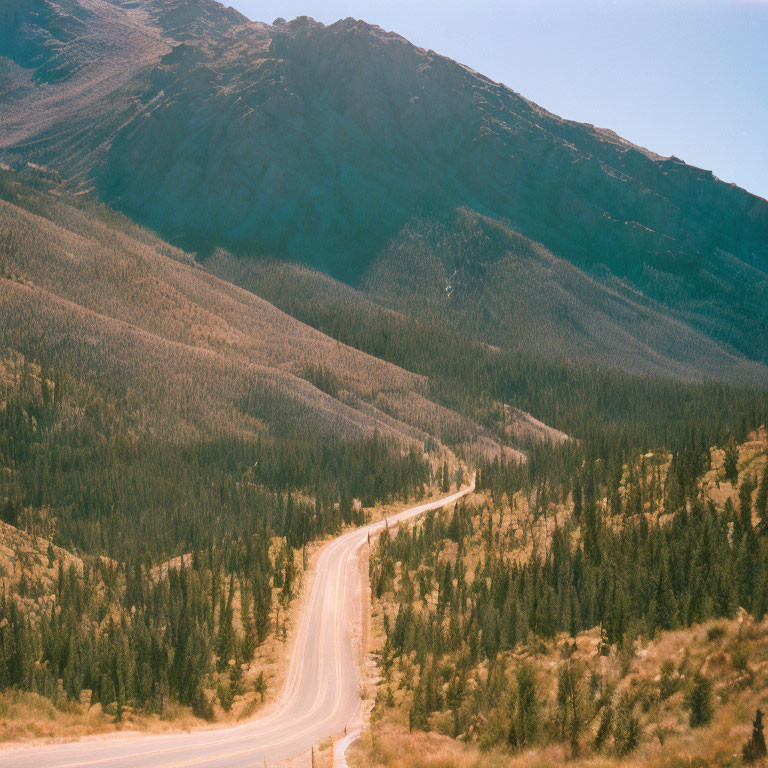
(263, 284)
(95, 594)
(344, 147)
(598, 405)
(495, 285)
(611, 614)
(92, 292)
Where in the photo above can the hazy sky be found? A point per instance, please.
(681, 77)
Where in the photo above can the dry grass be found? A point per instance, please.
(26, 717)
(668, 741)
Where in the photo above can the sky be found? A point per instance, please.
(680, 77)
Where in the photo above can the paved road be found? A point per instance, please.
(321, 696)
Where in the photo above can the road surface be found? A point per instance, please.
(321, 697)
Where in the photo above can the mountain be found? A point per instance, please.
(345, 147)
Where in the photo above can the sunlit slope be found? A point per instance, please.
(88, 289)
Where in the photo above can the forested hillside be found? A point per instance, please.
(152, 412)
(77, 469)
(605, 408)
(88, 289)
(261, 282)
(147, 417)
(581, 614)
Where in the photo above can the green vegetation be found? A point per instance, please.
(169, 430)
(473, 597)
(77, 473)
(113, 492)
(600, 406)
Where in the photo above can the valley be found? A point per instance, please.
(358, 411)
(321, 694)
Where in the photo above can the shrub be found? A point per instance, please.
(715, 633)
(740, 660)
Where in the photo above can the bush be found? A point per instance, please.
(715, 633)
(740, 660)
(669, 682)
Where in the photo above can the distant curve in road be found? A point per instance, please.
(321, 696)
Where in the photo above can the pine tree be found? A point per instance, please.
(755, 748)
(260, 685)
(225, 695)
(569, 704)
(417, 715)
(605, 728)
(627, 731)
(731, 462)
(699, 701)
(745, 502)
(527, 705)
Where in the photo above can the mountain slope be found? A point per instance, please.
(326, 144)
(496, 285)
(87, 289)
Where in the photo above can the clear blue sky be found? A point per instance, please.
(681, 77)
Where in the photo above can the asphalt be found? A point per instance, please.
(321, 697)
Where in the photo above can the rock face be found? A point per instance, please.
(324, 144)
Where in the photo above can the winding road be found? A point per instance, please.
(321, 697)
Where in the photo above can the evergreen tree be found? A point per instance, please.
(627, 731)
(528, 706)
(699, 701)
(755, 748)
(731, 462)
